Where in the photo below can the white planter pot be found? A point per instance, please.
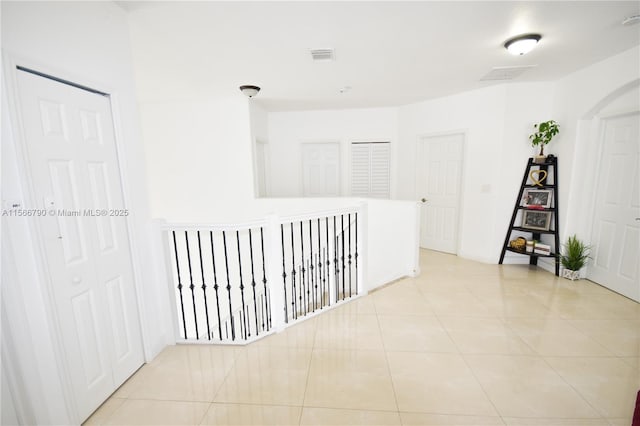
(571, 275)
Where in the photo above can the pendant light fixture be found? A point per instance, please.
(523, 44)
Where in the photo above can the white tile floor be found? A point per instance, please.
(463, 344)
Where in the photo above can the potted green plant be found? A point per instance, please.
(574, 258)
(543, 134)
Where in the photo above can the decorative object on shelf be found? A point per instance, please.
(537, 220)
(543, 134)
(537, 177)
(574, 258)
(518, 244)
(530, 246)
(537, 198)
(544, 249)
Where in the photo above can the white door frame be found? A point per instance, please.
(33, 242)
(420, 137)
(587, 159)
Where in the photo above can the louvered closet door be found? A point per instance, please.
(370, 169)
(73, 161)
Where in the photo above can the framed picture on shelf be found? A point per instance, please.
(536, 220)
(537, 198)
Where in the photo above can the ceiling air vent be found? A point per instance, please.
(322, 55)
(505, 73)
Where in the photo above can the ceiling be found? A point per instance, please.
(389, 53)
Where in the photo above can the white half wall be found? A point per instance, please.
(288, 130)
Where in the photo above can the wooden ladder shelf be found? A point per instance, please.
(540, 183)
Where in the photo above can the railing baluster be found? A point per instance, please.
(349, 227)
(336, 265)
(311, 266)
(301, 292)
(319, 278)
(316, 279)
(342, 255)
(204, 288)
(310, 295)
(244, 314)
(226, 264)
(191, 285)
(215, 284)
(262, 311)
(184, 321)
(264, 283)
(253, 284)
(356, 255)
(284, 274)
(303, 275)
(326, 274)
(294, 311)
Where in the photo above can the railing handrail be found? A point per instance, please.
(256, 223)
(239, 226)
(317, 214)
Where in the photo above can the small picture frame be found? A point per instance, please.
(537, 198)
(536, 220)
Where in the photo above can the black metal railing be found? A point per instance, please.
(319, 263)
(211, 267)
(238, 283)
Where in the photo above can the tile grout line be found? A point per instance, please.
(461, 355)
(386, 358)
(306, 383)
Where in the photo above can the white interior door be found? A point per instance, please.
(439, 172)
(262, 155)
(75, 176)
(321, 169)
(616, 225)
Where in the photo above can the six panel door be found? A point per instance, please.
(74, 171)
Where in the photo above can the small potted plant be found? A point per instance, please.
(574, 258)
(543, 134)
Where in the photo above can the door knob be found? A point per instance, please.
(424, 200)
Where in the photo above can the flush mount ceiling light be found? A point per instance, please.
(631, 20)
(249, 91)
(522, 44)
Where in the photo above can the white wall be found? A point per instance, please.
(496, 122)
(84, 42)
(259, 135)
(288, 130)
(198, 154)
